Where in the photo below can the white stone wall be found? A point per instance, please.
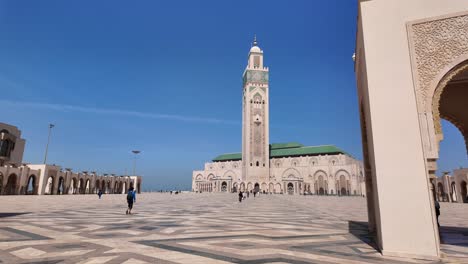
(302, 172)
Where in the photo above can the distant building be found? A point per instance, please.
(451, 188)
(276, 168)
(37, 179)
(11, 145)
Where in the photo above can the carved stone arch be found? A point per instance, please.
(199, 177)
(229, 173)
(291, 171)
(12, 184)
(453, 73)
(340, 171)
(440, 80)
(257, 95)
(317, 173)
(210, 177)
(439, 50)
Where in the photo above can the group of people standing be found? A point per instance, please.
(244, 195)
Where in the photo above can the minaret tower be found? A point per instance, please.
(255, 119)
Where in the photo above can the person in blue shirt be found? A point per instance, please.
(131, 198)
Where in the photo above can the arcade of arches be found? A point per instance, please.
(37, 179)
(48, 179)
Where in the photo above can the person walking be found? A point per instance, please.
(131, 198)
(99, 193)
(437, 209)
(241, 196)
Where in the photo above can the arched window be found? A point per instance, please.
(258, 164)
(32, 186)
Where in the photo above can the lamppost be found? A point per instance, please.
(48, 141)
(136, 152)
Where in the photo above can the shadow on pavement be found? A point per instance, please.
(452, 235)
(3, 215)
(361, 231)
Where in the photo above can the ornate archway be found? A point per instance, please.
(463, 191)
(73, 186)
(242, 187)
(290, 187)
(49, 189)
(256, 187)
(97, 186)
(81, 186)
(453, 191)
(61, 186)
(31, 187)
(88, 186)
(11, 186)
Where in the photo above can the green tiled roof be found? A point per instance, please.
(305, 151)
(292, 149)
(285, 145)
(228, 156)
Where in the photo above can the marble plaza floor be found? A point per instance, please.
(202, 228)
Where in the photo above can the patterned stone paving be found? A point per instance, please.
(202, 228)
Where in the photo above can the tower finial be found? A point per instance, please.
(255, 40)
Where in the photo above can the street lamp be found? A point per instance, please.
(136, 152)
(48, 141)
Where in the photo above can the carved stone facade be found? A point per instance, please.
(439, 48)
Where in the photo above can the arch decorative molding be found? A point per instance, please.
(291, 171)
(348, 175)
(438, 92)
(229, 173)
(320, 172)
(438, 51)
(210, 177)
(435, 44)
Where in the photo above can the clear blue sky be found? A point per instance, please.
(164, 77)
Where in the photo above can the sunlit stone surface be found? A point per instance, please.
(202, 228)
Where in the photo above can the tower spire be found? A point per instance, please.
(255, 41)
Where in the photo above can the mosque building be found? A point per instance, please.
(276, 168)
